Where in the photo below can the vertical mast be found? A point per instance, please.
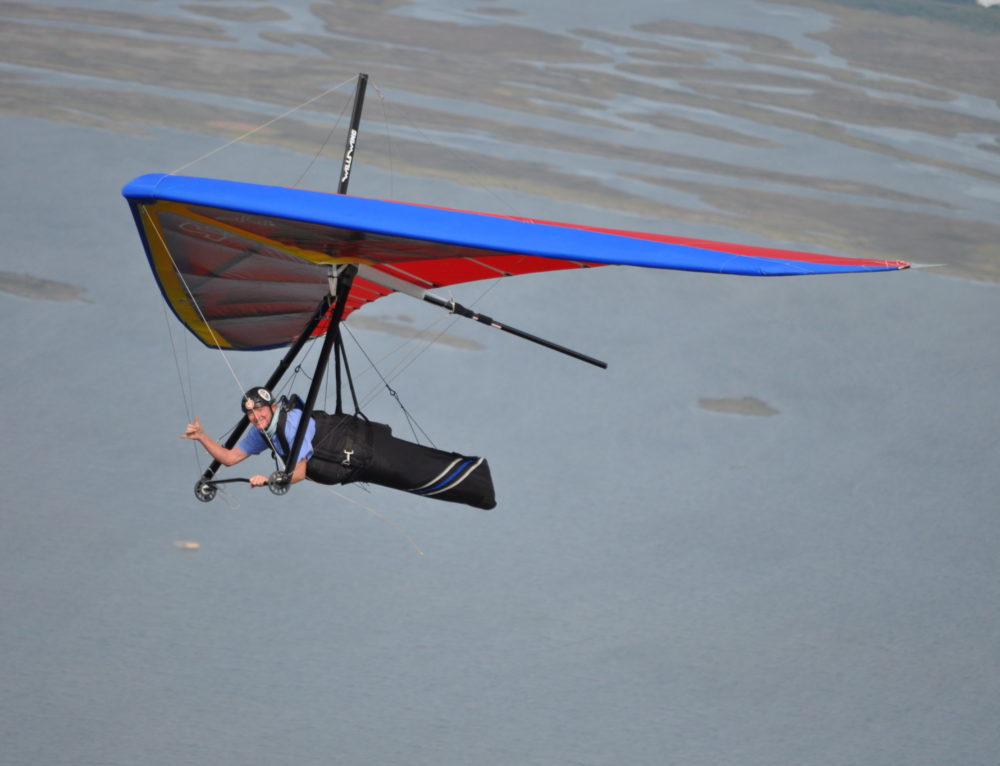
(352, 133)
(344, 279)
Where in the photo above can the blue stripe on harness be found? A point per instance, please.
(443, 484)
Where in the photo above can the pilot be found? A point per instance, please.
(261, 410)
(341, 448)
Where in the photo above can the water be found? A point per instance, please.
(660, 583)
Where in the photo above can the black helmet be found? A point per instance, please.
(255, 397)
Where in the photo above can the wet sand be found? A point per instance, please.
(585, 99)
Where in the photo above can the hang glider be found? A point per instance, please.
(243, 265)
(252, 267)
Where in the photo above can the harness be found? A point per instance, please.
(327, 427)
(285, 404)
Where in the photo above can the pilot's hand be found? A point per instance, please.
(193, 430)
(258, 480)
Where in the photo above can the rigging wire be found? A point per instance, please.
(190, 294)
(411, 356)
(186, 396)
(408, 341)
(417, 352)
(414, 425)
(322, 148)
(188, 404)
(461, 158)
(388, 141)
(270, 122)
(398, 529)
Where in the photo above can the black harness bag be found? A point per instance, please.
(351, 448)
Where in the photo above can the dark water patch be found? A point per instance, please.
(238, 12)
(402, 329)
(749, 406)
(171, 26)
(717, 35)
(40, 289)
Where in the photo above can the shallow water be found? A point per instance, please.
(660, 583)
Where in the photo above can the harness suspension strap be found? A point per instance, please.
(350, 378)
(345, 278)
(279, 433)
(338, 352)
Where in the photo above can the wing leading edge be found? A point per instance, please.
(243, 266)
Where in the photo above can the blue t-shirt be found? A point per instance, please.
(254, 442)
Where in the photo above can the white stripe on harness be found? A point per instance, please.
(457, 481)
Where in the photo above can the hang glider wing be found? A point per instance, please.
(244, 266)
